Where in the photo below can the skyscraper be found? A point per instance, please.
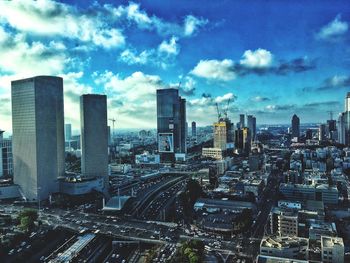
(1, 166)
(322, 132)
(94, 135)
(38, 135)
(68, 132)
(344, 123)
(251, 124)
(6, 161)
(220, 135)
(171, 123)
(241, 121)
(194, 129)
(295, 126)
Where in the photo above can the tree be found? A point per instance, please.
(26, 218)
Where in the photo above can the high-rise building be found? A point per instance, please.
(94, 135)
(38, 135)
(308, 134)
(220, 135)
(6, 161)
(322, 132)
(251, 124)
(344, 123)
(171, 123)
(241, 121)
(1, 166)
(68, 132)
(194, 129)
(295, 126)
(347, 102)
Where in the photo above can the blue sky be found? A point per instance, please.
(270, 58)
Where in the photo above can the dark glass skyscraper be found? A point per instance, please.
(194, 129)
(241, 121)
(94, 135)
(171, 122)
(295, 126)
(251, 124)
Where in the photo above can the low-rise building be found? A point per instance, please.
(215, 153)
(300, 192)
(286, 247)
(332, 249)
(284, 221)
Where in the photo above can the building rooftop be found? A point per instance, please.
(327, 241)
(269, 259)
(284, 242)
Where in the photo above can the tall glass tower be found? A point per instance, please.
(94, 135)
(38, 135)
(171, 123)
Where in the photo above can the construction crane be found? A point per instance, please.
(330, 114)
(226, 110)
(218, 111)
(113, 121)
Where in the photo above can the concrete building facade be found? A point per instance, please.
(38, 135)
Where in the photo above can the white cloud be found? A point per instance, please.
(258, 59)
(260, 99)
(26, 59)
(215, 69)
(192, 24)
(46, 17)
(226, 97)
(162, 57)
(334, 29)
(169, 47)
(73, 89)
(133, 13)
(130, 57)
(131, 99)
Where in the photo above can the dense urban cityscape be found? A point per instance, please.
(225, 182)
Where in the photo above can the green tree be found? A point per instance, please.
(26, 218)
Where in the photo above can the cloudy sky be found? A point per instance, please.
(271, 60)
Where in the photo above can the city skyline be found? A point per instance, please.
(279, 59)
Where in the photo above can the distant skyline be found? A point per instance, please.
(271, 58)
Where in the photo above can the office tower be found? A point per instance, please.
(242, 140)
(171, 123)
(183, 126)
(94, 135)
(347, 102)
(295, 126)
(38, 135)
(322, 132)
(341, 128)
(251, 124)
(109, 135)
(344, 123)
(241, 121)
(6, 161)
(220, 135)
(194, 129)
(332, 129)
(68, 132)
(1, 166)
(308, 134)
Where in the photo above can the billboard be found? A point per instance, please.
(165, 142)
